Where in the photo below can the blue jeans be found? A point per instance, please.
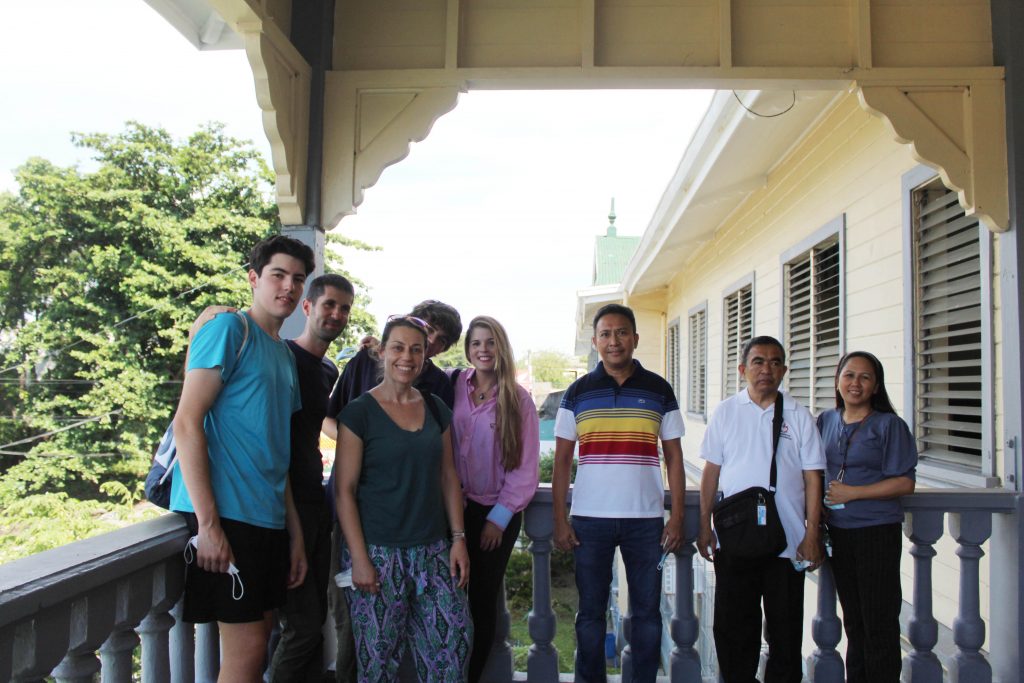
(639, 542)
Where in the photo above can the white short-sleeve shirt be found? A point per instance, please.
(739, 440)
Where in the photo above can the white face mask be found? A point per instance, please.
(237, 588)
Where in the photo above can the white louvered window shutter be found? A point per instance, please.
(948, 335)
(697, 351)
(739, 327)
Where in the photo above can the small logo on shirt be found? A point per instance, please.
(640, 400)
(785, 432)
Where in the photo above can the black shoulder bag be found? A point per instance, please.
(747, 523)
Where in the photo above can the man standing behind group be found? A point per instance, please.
(232, 431)
(299, 653)
(737, 448)
(618, 412)
(362, 373)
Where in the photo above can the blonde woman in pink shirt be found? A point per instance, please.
(496, 440)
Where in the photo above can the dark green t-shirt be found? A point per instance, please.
(399, 494)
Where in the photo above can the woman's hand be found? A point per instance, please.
(458, 562)
(364, 576)
(490, 537)
(839, 493)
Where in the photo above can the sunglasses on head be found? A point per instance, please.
(418, 322)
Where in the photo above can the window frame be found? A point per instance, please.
(933, 472)
(745, 282)
(833, 229)
(691, 380)
(672, 367)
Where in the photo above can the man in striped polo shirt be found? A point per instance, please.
(617, 413)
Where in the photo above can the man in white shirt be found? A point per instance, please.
(737, 448)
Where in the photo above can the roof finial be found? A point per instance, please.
(611, 221)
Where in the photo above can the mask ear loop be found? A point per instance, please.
(237, 587)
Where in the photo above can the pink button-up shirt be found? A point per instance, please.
(478, 454)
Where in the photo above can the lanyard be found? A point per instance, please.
(844, 441)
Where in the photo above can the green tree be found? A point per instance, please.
(454, 357)
(101, 273)
(553, 366)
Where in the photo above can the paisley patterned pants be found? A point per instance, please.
(419, 603)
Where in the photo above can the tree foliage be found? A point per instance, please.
(552, 366)
(101, 274)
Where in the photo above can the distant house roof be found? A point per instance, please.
(612, 254)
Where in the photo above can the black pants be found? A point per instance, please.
(741, 586)
(486, 572)
(866, 565)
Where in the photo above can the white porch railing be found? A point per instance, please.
(83, 609)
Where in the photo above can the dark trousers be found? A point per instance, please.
(866, 566)
(741, 587)
(299, 653)
(486, 572)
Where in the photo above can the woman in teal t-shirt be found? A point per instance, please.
(397, 495)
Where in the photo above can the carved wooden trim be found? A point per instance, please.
(374, 128)
(958, 130)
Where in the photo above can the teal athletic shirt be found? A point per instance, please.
(399, 494)
(248, 429)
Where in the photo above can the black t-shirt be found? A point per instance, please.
(316, 379)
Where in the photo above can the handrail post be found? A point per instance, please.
(826, 629)
(921, 665)
(542, 660)
(684, 664)
(970, 530)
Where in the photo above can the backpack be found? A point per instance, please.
(158, 481)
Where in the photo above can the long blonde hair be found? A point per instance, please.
(509, 418)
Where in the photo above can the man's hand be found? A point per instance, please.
(298, 565)
(565, 537)
(207, 315)
(672, 536)
(490, 537)
(810, 549)
(706, 542)
(213, 552)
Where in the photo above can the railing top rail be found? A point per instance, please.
(39, 581)
(946, 500)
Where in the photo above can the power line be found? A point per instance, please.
(127, 320)
(30, 439)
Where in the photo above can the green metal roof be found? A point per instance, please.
(612, 253)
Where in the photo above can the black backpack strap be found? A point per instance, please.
(776, 433)
(454, 377)
(428, 398)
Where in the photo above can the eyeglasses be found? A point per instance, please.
(418, 322)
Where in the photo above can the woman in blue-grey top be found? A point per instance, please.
(871, 460)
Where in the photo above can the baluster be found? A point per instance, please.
(207, 652)
(87, 630)
(116, 655)
(970, 529)
(921, 665)
(182, 647)
(542, 660)
(685, 662)
(826, 664)
(155, 655)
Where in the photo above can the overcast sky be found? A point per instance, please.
(495, 212)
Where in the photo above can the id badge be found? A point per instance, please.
(762, 515)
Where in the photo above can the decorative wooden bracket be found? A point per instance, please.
(374, 128)
(282, 79)
(958, 130)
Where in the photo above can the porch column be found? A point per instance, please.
(1007, 546)
(313, 36)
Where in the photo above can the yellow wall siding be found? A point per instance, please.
(849, 165)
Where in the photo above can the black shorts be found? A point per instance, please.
(262, 558)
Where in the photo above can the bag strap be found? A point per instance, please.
(428, 398)
(454, 377)
(245, 338)
(776, 433)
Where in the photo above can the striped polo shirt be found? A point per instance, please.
(618, 427)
